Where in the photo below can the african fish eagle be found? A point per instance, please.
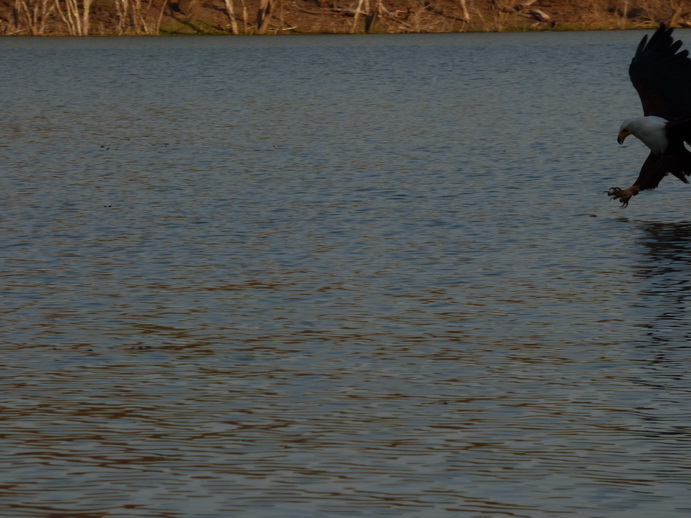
(662, 77)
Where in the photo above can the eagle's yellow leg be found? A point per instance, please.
(623, 195)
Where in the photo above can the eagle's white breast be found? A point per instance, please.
(650, 130)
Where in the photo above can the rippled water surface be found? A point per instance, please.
(337, 276)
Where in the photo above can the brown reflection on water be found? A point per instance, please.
(263, 429)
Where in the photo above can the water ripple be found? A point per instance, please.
(334, 277)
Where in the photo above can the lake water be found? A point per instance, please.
(337, 276)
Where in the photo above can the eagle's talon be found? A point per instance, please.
(613, 192)
(622, 195)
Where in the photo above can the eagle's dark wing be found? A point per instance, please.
(662, 76)
(656, 167)
(652, 172)
(679, 130)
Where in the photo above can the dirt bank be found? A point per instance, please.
(48, 17)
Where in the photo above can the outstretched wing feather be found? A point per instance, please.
(680, 130)
(662, 76)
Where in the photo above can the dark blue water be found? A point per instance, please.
(337, 276)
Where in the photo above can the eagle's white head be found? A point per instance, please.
(650, 130)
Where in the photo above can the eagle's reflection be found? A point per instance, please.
(668, 249)
(665, 272)
(665, 278)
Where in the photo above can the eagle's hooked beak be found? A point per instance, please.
(622, 136)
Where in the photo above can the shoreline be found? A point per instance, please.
(277, 17)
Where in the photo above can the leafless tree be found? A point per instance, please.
(33, 14)
(75, 18)
(374, 13)
(122, 7)
(264, 13)
(671, 12)
(465, 14)
(370, 10)
(138, 18)
(500, 10)
(230, 10)
(159, 19)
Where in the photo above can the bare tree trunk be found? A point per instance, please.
(264, 13)
(371, 12)
(86, 13)
(77, 20)
(122, 9)
(244, 16)
(135, 18)
(356, 18)
(34, 13)
(138, 21)
(464, 10)
(372, 15)
(624, 14)
(70, 17)
(230, 9)
(159, 20)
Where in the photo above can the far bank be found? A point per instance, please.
(245, 17)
